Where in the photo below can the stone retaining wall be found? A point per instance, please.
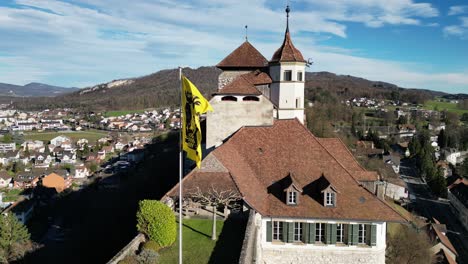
(131, 247)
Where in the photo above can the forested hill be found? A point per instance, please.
(162, 89)
(159, 89)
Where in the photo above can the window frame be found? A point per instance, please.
(320, 233)
(340, 233)
(297, 235)
(292, 197)
(299, 73)
(277, 231)
(289, 74)
(362, 239)
(330, 200)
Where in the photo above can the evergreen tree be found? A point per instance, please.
(14, 238)
(442, 139)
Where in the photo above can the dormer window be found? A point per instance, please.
(330, 199)
(292, 197)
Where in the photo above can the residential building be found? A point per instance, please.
(5, 147)
(55, 181)
(458, 196)
(5, 179)
(440, 242)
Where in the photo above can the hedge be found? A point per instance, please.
(157, 221)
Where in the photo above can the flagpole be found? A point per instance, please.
(181, 166)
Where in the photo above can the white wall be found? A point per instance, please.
(227, 117)
(311, 253)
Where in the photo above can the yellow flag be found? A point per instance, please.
(193, 105)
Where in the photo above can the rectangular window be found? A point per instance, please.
(292, 197)
(287, 76)
(330, 199)
(340, 233)
(320, 232)
(299, 76)
(277, 231)
(297, 232)
(362, 234)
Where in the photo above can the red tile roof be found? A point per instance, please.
(287, 51)
(204, 180)
(444, 239)
(257, 77)
(258, 157)
(245, 56)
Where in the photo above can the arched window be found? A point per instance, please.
(229, 98)
(251, 98)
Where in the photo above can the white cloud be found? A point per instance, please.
(457, 10)
(460, 30)
(73, 44)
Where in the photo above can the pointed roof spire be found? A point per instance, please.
(287, 51)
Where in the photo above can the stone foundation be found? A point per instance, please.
(317, 256)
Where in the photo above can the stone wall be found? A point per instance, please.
(228, 76)
(459, 209)
(247, 255)
(130, 248)
(229, 116)
(325, 256)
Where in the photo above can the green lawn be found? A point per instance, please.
(91, 135)
(432, 104)
(123, 112)
(198, 248)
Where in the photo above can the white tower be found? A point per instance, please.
(287, 71)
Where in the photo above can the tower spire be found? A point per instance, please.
(287, 17)
(246, 33)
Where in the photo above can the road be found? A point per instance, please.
(427, 205)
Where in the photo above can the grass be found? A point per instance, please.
(91, 135)
(123, 112)
(198, 248)
(450, 107)
(393, 228)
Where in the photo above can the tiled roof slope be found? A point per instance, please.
(245, 56)
(205, 181)
(287, 51)
(338, 149)
(258, 157)
(245, 84)
(240, 85)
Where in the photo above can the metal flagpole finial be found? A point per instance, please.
(246, 33)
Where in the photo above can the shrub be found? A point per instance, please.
(151, 245)
(131, 259)
(157, 221)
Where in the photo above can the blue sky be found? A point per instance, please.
(414, 44)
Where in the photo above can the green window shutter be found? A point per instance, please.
(290, 232)
(305, 232)
(350, 234)
(355, 235)
(269, 233)
(373, 235)
(311, 233)
(328, 233)
(285, 231)
(333, 234)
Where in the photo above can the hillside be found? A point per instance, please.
(161, 89)
(33, 90)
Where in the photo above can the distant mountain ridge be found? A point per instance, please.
(33, 90)
(161, 89)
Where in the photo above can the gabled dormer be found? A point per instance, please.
(292, 190)
(329, 193)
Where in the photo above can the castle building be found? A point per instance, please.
(310, 200)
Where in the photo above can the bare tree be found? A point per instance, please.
(215, 197)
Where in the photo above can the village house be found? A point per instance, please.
(22, 210)
(441, 243)
(5, 147)
(309, 198)
(57, 182)
(81, 171)
(458, 196)
(5, 179)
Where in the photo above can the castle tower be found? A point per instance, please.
(287, 71)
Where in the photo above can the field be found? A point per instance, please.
(123, 112)
(434, 104)
(90, 135)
